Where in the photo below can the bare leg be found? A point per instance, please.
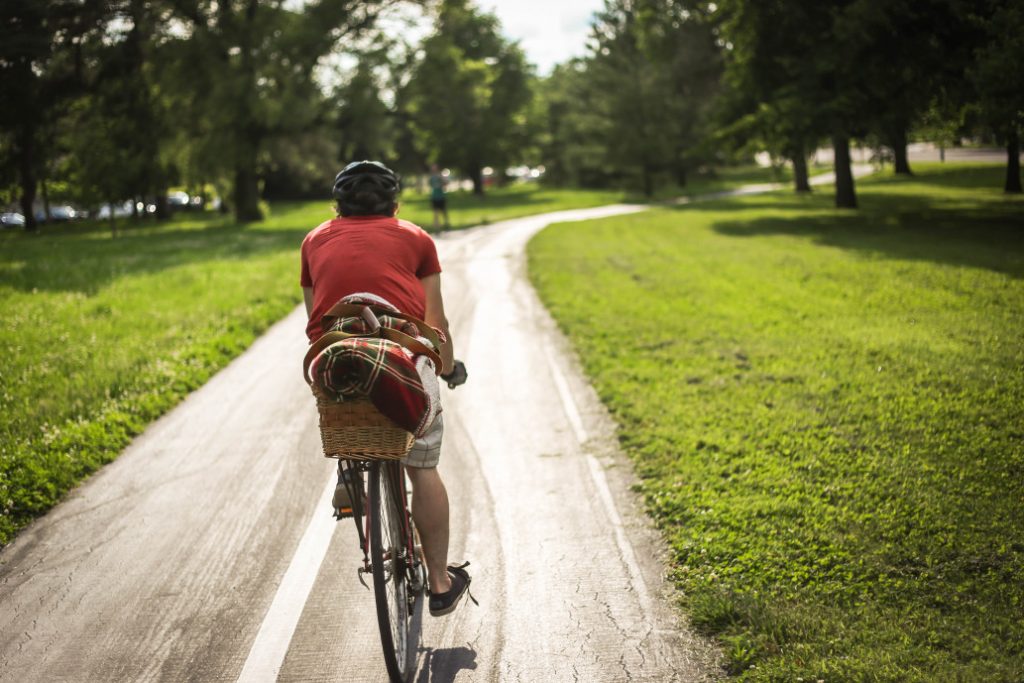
(430, 512)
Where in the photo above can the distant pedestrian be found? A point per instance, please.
(438, 201)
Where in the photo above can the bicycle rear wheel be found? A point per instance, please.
(389, 557)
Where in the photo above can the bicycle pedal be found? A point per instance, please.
(343, 513)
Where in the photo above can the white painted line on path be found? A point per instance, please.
(271, 645)
(597, 474)
(571, 411)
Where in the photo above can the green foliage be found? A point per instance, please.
(634, 110)
(996, 71)
(40, 68)
(114, 133)
(247, 71)
(825, 412)
(469, 93)
(363, 119)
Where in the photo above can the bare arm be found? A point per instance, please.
(307, 296)
(435, 317)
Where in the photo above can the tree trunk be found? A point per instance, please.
(163, 211)
(846, 195)
(247, 194)
(801, 181)
(898, 141)
(46, 201)
(1013, 162)
(648, 181)
(476, 174)
(26, 150)
(113, 220)
(681, 174)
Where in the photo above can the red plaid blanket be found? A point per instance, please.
(380, 369)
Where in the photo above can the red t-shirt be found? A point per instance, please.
(376, 254)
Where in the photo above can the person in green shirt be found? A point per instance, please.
(437, 196)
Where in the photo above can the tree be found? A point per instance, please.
(40, 66)
(250, 68)
(469, 93)
(573, 132)
(770, 80)
(637, 107)
(114, 131)
(997, 76)
(365, 124)
(808, 57)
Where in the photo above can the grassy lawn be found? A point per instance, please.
(466, 210)
(826, 412)
(728, 178)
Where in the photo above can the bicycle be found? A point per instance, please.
(368, 443)
(391, 555)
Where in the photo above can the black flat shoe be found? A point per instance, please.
(445, 603)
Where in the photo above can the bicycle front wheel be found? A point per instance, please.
(388, 555)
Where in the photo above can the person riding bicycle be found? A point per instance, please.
(366, 248)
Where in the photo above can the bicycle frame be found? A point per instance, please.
(361, 513)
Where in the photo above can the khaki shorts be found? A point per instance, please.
(426, 452)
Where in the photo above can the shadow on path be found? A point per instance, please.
(444, 664)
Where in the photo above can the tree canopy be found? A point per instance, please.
(115, 100)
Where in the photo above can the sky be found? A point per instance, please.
(549, 31)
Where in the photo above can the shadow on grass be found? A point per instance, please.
(979, 234)
(82, 261)
(980, 176)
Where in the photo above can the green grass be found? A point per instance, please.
(102, 335)
(826, 413)
(467, 210)
(728, 178)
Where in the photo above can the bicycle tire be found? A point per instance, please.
(388, 557)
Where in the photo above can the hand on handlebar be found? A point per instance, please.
(457, 376)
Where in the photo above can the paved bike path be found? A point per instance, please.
(165, 565)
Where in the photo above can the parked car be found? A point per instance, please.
(178, 200)
(58, 213)
(120, 210)
(11, 219)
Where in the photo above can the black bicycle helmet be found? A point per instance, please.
(369, 174)
(366, 188)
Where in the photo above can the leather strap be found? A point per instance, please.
(389, 333)
(342, 310)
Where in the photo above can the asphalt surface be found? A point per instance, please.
(207, 551)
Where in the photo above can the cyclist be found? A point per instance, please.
(367, 249)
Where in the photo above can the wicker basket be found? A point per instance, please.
(356, 430)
